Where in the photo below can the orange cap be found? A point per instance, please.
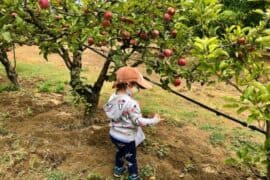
(129, 74)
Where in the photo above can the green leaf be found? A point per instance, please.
(242, 109)
(7, 36)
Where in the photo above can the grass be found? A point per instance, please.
(56, 175)
(50, 86)
(45, 70)
(3, 131)
(94, 176)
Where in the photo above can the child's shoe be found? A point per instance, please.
(134, 177)
(118, 171)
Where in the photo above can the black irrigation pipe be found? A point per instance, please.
(218, 113)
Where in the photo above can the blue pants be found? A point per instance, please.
(126, 151)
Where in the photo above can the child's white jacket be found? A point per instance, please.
(125, 117)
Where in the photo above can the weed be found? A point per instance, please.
(189, 167)
(29, 111)
(6, 114)
(44, 87)
(147, 171)
(56, 175)
(217, 138)
(94, 176)
(8, 88)
(51, 86)
(3, 131)
(5, 159)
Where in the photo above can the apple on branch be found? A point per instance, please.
(44, 4)
(167, 53)
(182, 62)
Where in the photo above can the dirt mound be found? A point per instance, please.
(51, 136)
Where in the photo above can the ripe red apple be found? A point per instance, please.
(177, 82)
(155, 33)
(174, 33)
(167, 17)
(108, 15)
(167, 53)
(106, 23)
(182, 62)
(171, 11)
(241, 41)
(90, 41)
(44, 4)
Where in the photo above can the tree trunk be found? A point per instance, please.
(89, 93)
(94, 98)
(267, 148)
(10, 70)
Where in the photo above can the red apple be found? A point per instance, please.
(133, 42)
(106, 23)
(125, 34)
(241, 41)
(44, 4)
(177, 82)
(182, 62)
(171, 11)
(90, 41)
(167, 17)
(174, 33)
(108, 15)
(167, 53)
(155, 33)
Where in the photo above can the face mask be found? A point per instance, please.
(133, 91)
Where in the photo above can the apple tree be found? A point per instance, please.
(155, 32)
(158, 34)
(12, 32)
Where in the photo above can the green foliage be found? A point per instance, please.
(50, 86)
(147, 171)
(56, 175)
(251, 157)
(94, 176)
(3, 131)
(8, 88)
(217, 138)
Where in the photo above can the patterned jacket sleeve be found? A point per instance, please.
(135, 116)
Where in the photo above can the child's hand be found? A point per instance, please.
(157, 116)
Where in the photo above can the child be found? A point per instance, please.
(126, 119)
